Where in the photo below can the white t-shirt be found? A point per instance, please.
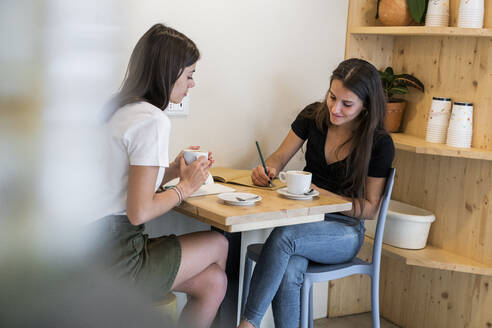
(138, 134)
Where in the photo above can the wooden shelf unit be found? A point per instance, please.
(446, 286)
(420, 146)
(421, 31)
(435, 258)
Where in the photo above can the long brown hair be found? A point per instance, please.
(362, 78)
(157, 61)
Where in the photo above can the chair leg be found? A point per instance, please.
(311, 321)
(248, 266)
(306, 294)
(375, 301)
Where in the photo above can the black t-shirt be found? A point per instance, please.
(331, 176)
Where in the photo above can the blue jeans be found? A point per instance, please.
(279, 273)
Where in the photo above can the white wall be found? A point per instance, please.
(260, 65)
(262, 62)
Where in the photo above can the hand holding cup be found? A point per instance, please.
(191, 155)
(193, 176)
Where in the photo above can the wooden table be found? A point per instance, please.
(272, 211)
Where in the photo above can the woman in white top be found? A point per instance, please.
(160, 70)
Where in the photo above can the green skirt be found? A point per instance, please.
(150, 263)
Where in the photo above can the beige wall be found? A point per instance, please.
(260, 65)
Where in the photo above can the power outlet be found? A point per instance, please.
(181, 109)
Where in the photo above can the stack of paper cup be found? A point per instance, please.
(460, 128)
(471, 13)
(437, 124)
(437, 13)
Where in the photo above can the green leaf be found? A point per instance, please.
(417, 9)
(387, 77)
(398, 84)
(409, 81)
(401, 90)
(389, 70)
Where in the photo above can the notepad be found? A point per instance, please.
(209, 188)
(240, 177)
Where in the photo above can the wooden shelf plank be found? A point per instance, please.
(435, 258)
(420, 146)
(421, 31)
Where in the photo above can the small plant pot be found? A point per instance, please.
(394, 114)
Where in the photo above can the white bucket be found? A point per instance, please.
(406, 226)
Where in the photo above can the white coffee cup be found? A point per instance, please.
(437, 13)
(191, 155)
(298, 182)
(438, 7)
(461, 116)
(471, 13)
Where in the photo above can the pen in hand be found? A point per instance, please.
(263, 163)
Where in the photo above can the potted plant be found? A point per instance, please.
(401, 12)
(396, 84)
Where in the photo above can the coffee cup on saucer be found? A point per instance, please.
(298, 182)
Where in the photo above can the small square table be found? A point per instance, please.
(272, 211)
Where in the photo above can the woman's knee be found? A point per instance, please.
(294, 274)
(211, 283)
(220, 243)
(283, 237)
(216, 282)
(220, 281)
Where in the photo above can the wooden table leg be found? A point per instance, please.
(228, 312)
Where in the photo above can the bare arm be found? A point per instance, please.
(143, 204)
(277, 161)
(374, 192)
(171, 172)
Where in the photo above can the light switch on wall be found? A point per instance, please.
(181, 109)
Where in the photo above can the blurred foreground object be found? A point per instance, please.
(44, 294)
(58, 61)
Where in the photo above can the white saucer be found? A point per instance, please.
(285, 193)
(230, 198)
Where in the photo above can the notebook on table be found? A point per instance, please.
(208, 188)
(240, 177)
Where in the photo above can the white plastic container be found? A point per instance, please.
(407, 226)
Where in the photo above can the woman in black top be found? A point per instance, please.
(349, 153)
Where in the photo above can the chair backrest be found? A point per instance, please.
(378, 237)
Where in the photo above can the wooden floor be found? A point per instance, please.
(363, 320)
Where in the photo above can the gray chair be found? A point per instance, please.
(320, 272)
